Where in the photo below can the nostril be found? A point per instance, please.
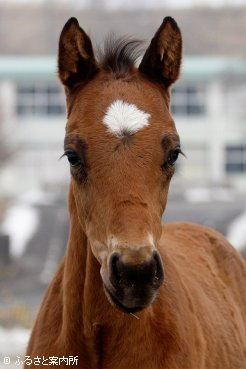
(115, 275)
(138, 275)
(159, 270)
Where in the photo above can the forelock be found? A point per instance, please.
(120, 55)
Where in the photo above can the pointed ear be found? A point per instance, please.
(162, 59)
(76, 61)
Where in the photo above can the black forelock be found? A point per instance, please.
(120, 55)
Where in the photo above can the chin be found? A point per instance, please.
(122, 302)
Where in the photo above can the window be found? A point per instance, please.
(188, 100)
(40, 99)
(236, 159)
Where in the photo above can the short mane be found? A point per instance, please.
(119, 55)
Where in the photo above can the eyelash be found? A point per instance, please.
(73, 158)
(77, 165)
(172, 158)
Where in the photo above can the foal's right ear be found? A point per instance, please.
(76, 61)
(162, 59)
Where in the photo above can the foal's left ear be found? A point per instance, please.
(162, 59)
(76, 61)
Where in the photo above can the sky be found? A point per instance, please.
(114, 4)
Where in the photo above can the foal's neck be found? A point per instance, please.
(82, 287)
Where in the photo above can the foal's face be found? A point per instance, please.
(122, 145)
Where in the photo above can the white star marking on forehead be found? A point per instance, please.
(122, 118)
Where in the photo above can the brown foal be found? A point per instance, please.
(131, 293)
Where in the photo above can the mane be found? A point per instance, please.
(120, 55)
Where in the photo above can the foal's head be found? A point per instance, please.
(122, 145)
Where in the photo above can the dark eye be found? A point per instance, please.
(172, 157)
(73, 158)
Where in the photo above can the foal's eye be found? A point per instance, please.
(172, 158)
(73, 158)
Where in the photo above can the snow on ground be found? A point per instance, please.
(236, 233)
(37, 196)
(20, 223)
(13, 343)
(22, 219)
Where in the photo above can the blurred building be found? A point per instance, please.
(208, 105)
(33, 119)
(210, 112)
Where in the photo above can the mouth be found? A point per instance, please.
(115, 302)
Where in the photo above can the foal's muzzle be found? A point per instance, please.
(132, 286)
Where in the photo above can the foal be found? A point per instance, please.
(131, 293)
